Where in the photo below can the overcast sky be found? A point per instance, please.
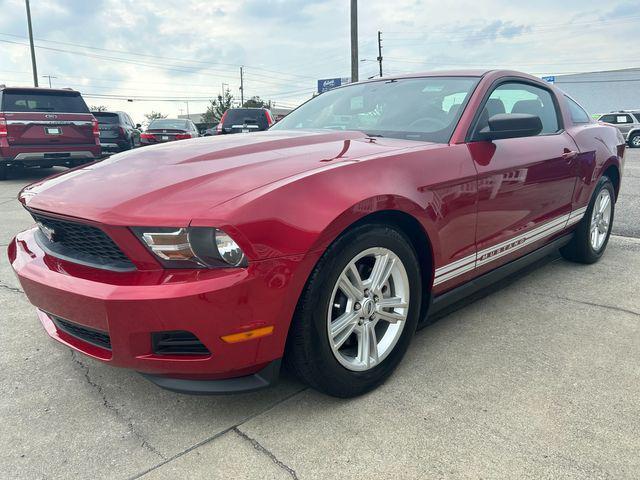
(186, 49)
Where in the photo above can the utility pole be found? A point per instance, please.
(49, 77)
(380, 51)
(241, 88)
(33, 50)
(354, 40)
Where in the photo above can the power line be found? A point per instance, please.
(183, 60)
(169, 67)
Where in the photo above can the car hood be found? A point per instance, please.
(169, 184)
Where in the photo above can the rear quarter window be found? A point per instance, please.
(29, 101)
(578, 114)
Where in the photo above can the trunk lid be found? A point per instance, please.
(109, 125)
(164, 134)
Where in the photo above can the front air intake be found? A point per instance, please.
(177, 342)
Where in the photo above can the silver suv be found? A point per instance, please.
(628, 122)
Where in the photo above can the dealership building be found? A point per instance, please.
(603, 92)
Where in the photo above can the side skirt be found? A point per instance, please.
(465, 294)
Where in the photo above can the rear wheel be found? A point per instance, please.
(358, 312)
(634, 140)
(592, 234)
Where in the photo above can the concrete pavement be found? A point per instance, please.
(541, 379)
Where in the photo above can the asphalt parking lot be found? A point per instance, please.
(540, 379)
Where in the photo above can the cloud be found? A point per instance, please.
(189, 48)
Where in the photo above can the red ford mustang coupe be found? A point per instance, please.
(324, 241)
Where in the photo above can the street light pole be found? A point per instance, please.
(380, 51)
(354, 40)
(241, 88)
(33, 50)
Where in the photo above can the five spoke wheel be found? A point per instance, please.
(368, 309)
(600, 219)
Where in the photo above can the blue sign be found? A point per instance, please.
(328, 83)
(550, 79)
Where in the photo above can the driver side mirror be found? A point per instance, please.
(511, 125)
(138, 125)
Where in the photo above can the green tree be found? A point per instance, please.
(153, 115)
(217, 107)
(256, 102)
(98, 108)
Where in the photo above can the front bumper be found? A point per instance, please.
(130, 306)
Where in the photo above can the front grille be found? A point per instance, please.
(177, 342)
(80, 243)
(89, 335)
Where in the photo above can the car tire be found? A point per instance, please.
(634, 140)
(343, 370)
(587, 246)
(4, 171)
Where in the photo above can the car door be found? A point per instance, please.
(525, 185)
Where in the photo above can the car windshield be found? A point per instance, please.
(424, 109)
(170, 123)
(52, 101)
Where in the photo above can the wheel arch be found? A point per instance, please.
(401, 213)
(613, 172)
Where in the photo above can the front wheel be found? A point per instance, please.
(592, 234)
(358, 312)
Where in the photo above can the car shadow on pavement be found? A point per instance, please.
(33, 174)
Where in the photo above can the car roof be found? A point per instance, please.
(40, 89)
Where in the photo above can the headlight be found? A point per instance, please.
(193, 247)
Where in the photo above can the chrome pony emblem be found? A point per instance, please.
(48, 232)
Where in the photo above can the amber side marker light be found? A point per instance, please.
(248, 335)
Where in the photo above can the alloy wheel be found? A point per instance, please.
(368, 309)
(600, 219)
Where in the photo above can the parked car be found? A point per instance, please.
(244, 120)
(326, 240)
(628, 122)
(209, 132)
(167, 130)
(45, 127)
(117, 131)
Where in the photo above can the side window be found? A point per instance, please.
(608, 118)
(637, 115)
(624, 119)
(578, 114)
(513, 97)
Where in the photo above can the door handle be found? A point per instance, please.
(569, 154)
